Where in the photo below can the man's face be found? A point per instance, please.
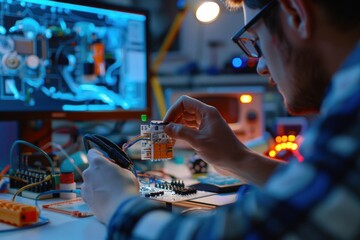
(290, 64)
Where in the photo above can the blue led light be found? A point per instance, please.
(237, 62)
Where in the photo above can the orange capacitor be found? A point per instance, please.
(99, 58)
(18, 214)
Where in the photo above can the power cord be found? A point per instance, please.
(114, 152)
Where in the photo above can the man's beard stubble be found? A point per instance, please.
(309, 80)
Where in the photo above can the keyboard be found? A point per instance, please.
(217, 183)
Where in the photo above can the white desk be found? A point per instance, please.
(61, 226)
(64, 226)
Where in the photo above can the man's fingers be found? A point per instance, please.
(179, 131)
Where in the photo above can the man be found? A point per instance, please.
(311, 50)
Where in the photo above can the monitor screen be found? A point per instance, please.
(84, 60)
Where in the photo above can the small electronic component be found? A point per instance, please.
(170, 192)
(18, 214)
(156, 145)
(197, 166)
(29, 177)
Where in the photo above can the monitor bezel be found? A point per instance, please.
(95, 115)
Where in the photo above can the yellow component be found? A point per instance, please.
(169, 39)
(18, 214)
(284, 138)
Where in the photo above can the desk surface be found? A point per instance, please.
(64, 226)
(61, 226)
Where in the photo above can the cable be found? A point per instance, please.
(132, 141)
(76, 191)
(47, 178)
(114, 152)
(34, 147)
(170, 37)
(71, 160)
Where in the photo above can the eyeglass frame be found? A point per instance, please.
(237, 39)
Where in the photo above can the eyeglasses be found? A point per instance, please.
(249, 46)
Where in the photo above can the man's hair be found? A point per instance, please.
(343, 14)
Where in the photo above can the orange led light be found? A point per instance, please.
(246, 98)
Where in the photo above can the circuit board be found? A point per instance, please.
(156, 144)
(170, 192)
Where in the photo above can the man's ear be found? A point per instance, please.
(298, 16)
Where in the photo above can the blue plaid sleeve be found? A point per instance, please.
(316, 199)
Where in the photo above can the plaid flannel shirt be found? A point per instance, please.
(318, 198)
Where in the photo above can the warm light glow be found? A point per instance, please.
(291, 138)
(294, 146)
(284, 138)
(246, 98)
(288, 145)
(278, 139)
(272, 153)
(278, 147)
(207, 12)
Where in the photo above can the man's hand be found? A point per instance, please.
(106, 185)
(207, 132)
(203, 127)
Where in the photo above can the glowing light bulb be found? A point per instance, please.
(278, 147)
(278, 139)
(207, 12)
(237, 62)
(245, 98)
(272, 153)
(294, 146)
(291, 138)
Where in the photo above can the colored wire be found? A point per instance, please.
(47, 178)
(4, 171)
(170, 37)
(76, 191)
(132, 141)
(113, 151)
(59, 147)
(34, 147)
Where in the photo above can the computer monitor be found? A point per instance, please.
(73, 60)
